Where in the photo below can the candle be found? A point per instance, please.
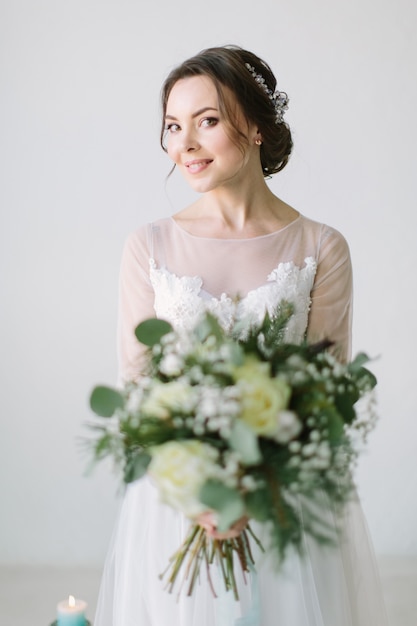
(71, 612)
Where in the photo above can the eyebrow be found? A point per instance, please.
(196, 114)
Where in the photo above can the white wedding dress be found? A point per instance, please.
(168, 272)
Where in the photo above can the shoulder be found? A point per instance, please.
(140, 241)
(326, 238)
(320, 229)
(332, 254)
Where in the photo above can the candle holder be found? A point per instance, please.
(87, 623)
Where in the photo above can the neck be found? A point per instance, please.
(236, 211)
(249, 211)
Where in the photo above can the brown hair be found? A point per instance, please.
(226, 67)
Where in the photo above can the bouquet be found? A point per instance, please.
(241, 424)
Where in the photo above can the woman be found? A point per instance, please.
(236, 251)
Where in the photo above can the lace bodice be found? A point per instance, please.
(175, 275)
(182, 299)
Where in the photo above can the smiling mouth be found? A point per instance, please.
(197, 165)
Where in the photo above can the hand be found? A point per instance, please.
(207, 520)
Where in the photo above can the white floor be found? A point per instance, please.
(28, 595)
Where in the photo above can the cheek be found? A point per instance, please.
(172, 147)
(226, 145)
(223, 143)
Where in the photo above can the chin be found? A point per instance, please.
(200, 186)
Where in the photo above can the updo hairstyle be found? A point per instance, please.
(226, 67)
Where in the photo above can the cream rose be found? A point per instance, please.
(179, 469)
(164, 398)
(262, 397)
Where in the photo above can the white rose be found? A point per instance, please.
(165, 398)
(179, 469)
(262, 398)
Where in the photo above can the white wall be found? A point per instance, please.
(81, 167)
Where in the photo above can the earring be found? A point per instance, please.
(258, 142)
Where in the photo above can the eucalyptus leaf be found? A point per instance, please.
(209, 327)
(151, 331)
(344, 403)
(369, 377)
(105, 400)
(225, 500)
(245, 442)
(257, 505)
(334, 426)
(230, 514)
(358, 362)
(136, 466)
(236, 354)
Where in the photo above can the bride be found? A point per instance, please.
(224, 129)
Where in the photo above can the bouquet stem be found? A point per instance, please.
(198, 547)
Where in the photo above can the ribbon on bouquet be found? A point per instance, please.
(226, 605)
(253, 616)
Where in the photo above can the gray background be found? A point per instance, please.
(81, 167)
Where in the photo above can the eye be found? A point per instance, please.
(172, 128)
(209, 121)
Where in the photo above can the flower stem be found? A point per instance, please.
(198, 547)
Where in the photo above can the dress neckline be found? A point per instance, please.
(217, 239)
(194, 284)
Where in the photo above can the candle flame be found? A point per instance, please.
(71, 601)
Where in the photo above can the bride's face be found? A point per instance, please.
(199, 139)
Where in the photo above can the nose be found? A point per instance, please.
(189, 141)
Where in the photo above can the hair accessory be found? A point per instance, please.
(279, 99)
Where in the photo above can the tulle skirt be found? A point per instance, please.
(328, 586)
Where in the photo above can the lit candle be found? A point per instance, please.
(71, 612)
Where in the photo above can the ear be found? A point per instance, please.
(258, 138)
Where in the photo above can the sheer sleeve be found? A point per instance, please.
(331, 307)
(136, 303)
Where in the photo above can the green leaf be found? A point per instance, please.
(104, 401)
(209, 327)
(257, 505)
(334, 426)
(151, 331)
(363, 377)
(358, 361)
(368, 376)
(152, 431)
(236, 354)
(226, 501)
(136, 466)
(102, 446)
(245, 442)
(373, 381)
(344, 403)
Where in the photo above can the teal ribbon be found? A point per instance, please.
(226, 605)
(253, 616)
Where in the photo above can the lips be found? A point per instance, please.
(197, 165)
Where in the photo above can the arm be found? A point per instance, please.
(136, 300)
(331, 297)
